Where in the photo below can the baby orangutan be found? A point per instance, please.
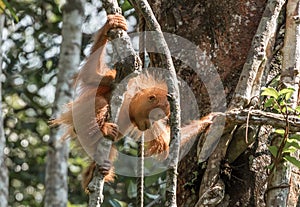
(146, 104)
(145, 108)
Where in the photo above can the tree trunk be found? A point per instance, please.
(4, 172)
(223, 30)
(57, 165)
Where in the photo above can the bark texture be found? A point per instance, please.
(224, 30)
(57, 165)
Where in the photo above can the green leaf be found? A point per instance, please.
(295, 136)
(282, 102)
(292, 143)
(151, 180)
(131, 190)
(15, 101)
(292, 160)
(276, 107)
(269, 167)
(287, 92)
(270, 92)
(11, 10)
(280, 131)
(288, 96)
(269, 103)
(289, 150)
(273, 150)
(126, 6)
(298, 109)
(290, 109)
(290, 146)
(116, 203)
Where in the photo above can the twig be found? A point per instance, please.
(172, 82)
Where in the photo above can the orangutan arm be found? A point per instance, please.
(95, 72)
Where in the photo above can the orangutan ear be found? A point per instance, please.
(152, 99)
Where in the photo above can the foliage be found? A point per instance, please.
(7, 9)
(280, 102)
(30, 60)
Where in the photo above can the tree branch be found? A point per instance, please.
(174, 97)
(258, 117)
(127, 62)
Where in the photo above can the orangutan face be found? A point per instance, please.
(148, 106)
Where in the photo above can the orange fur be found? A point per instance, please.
(144, 94)
(95, 81)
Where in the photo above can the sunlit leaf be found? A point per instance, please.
(2, 6)
(290, 146)
(280, 131)
(287, 92)
(270, 92)
(293, 143)
(288, 96)
(282, 103)
(289, 150)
